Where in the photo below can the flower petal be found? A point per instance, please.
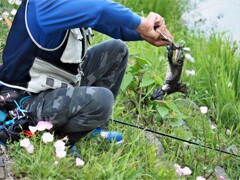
(43, 125)
(33, 129)
(25, 142)
(18, 2)
(30, 149)
(177, 166)
(187, 49)
(59, 145)
(204, 109)
(61, 154)
(189, 57)
(186, 171)
(11, 1)
(5, 13)
(79, 162)
(47, 137)
(200, 178)
(190, 72)
(104, 134)
(13, 12)
(55, 163)
(179, 172)
(221, 178)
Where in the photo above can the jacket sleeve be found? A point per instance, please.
(105, 16)
(124, 34)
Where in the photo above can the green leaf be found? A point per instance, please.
(141, 61)
(172, 106)
(175, 123)
(146, 81)
(126, 81)
(163, 111)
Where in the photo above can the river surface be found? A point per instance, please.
(215, 16)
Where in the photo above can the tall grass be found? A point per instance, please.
(216, 85)
(217, 80)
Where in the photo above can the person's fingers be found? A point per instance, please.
(168, 34)
(165, 34)
(158, 42)
(156, 19)
(146, 28)
(160, 22)
(154, 31)
(151, 18)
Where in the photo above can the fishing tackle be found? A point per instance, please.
(176, 138)
(13, 119)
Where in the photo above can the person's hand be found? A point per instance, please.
(153, 30)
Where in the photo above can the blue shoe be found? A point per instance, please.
(109, 136)
(74, 152)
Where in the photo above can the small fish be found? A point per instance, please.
(172, 81)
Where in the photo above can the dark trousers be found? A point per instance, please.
(76, 111)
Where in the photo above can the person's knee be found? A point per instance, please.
(99, 105)
(120, 45)
(103, 101)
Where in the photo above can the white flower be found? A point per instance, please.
(213, 126)
(47, 137)
(33, 129)
(11, 1)
(59, 145)
(25, 142)
(229, 84)
(104, 134)
(18, 2)
(187, 49)
(190, 72)
(79, 162)
(189, 57)
(186, 171)
(182, 171)
(27, 145)
(61, 154)
(200, 178)
(55, 163)
(221, 178)
(1, 18)
(43, 125)
(13, 12)
(30, 149)
(228, 132)
(204, 109)
(177, 166)
(5, 13)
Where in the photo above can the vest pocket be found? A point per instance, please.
(46, 76)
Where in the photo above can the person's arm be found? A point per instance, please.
(124, 34)
(53, 16)
(61, 15)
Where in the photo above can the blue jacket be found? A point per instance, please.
(40, 28)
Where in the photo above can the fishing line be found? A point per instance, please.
(173, 137)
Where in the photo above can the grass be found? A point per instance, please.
(215, 85)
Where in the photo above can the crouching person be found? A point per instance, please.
(47, 60)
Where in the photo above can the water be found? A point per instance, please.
(215, 16)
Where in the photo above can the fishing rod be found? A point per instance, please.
(173, 137)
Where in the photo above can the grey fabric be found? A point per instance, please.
(80, 109)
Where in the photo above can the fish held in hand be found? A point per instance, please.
(172, 81)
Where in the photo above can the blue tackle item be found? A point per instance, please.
(74, 152)
(110, 136)
(3, 116)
